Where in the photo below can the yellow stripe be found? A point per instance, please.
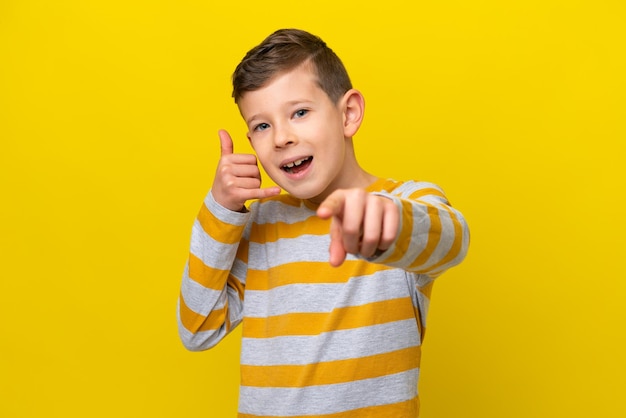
(237, 285)
(406, 234)
(429, 191)
(285, 199)
(309, 272)
(215, 228)
(195, 322)
(386, 185)
(408, 408)
(271, 232)
(213, 278)
(456, 246)
(427, 289)
(434, 234)
(340, 318)
(208, 277)
(331, 372)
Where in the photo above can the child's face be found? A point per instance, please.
(297, 133)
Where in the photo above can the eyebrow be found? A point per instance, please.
(251, 119)
(290, 103)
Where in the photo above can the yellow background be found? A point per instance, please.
(108, 119)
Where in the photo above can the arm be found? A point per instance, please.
(433, 236)
(412, 227)
(211, 298)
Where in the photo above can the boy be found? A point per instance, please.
(332, 280)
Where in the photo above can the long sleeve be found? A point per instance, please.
(211, 298)
(349, 335)
(433, 236)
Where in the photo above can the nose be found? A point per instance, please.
(283, 137)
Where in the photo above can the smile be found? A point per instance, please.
(297, 165)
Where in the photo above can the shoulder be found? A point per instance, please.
(410, 189)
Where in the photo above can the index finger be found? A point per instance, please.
(332, 205)
(226, 142)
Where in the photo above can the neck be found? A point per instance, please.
(352, 175)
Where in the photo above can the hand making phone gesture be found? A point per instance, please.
(237, 178)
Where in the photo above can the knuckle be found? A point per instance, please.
(389, 204)
(224, 169)
(360, 194)
(388, 237)
(351, 230)
(369, 242)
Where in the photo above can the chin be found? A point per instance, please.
(302, 193)
(299, 194)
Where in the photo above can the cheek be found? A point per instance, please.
(263, 162)
(260, 152)
(268, 165)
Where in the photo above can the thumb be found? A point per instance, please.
(226, 142)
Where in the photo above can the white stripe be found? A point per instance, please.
(272, 211)
(305, 248)
(407, 188)
(212, 253)
(419, 238)
(445, 242)
(201, 340)
(329, 399)
(423, 304)
(239, 270)
(225, 215)
(324, 297)
(199, 298)
(331, 346)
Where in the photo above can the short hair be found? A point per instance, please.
(284, 50)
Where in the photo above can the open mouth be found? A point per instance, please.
(297, 165)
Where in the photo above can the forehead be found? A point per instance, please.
(298, 84)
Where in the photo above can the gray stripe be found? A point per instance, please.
(329, 399)
(324, 297)
(423, 306)
(240, 270)
(212, 253)
(445, 242)
(196, 296)
(202, 340)
(407, 188)
(272, 211)
(305, 248)
(331, 346)
(419, 236)
(223, 214)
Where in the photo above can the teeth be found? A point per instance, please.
(296, 163)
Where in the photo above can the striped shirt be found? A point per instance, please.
(319, 341)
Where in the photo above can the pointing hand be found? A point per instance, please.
(362, 223)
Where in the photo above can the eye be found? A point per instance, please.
(261, 127)
(300, 113)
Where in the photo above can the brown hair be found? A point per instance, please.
(284, 50)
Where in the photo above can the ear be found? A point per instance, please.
(353, 106)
